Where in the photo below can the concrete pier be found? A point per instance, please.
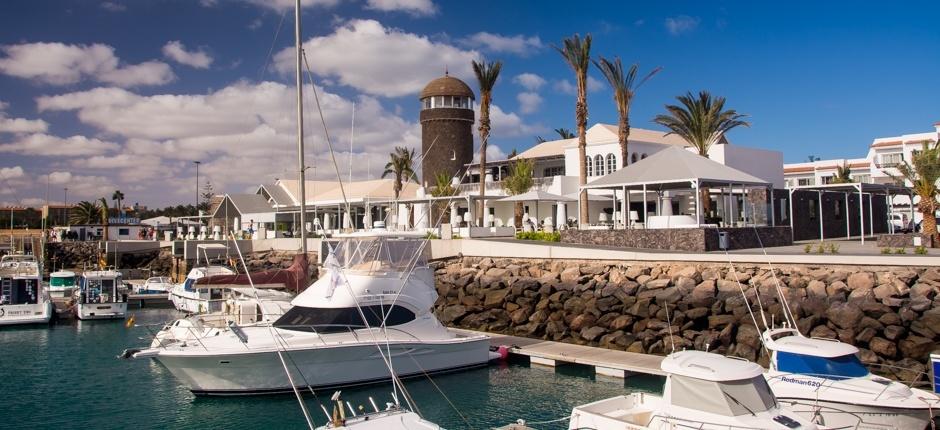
(606, 362)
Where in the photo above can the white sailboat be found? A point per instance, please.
(22, 299)
(703, 391)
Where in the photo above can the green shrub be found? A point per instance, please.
(920, 250)
(821, 248)
(833, 248)
(808, 248)
(539, 235)
(900, 251)
(885, 250)
(431, 235)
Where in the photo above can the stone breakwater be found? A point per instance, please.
(891, 313)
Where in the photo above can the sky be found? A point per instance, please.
(126, 94)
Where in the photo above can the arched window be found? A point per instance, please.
(590, 168)
(599, 165)
(633, 158)
(611, 163)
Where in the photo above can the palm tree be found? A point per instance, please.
(85, 212)
(105, 215)
(701, 121)
(923, 173)
(486, 73)
(401, 166)
(539, 139)
(843, 174)
(118, 197)
(519, 182)
(577, 53)
(443, 187)
(564, 133)
(624, 86)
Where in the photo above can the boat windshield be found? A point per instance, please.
(842, 367)
(728, 398)
(188, 285)
(379, 254)
(334, 320)
(62, 281)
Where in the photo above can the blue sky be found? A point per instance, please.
(99, 95)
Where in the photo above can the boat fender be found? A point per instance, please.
(499, 353)
(128, 353)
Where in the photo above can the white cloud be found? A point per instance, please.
(47, 145)
(62, 64)
(529, 102)
(567, 87)
(681, 24)
(378, 60)
(22, 125)
(255, 24)
(508, 124)
(60, 178)
(176, 51)
(413, 7)
(113, 6)
(493, 153)
(12, 172)
(491, 42)
(529, 81)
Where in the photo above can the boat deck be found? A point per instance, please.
(607, 362)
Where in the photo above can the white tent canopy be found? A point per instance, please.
(165, 220)
(674, 168)
(536, 196)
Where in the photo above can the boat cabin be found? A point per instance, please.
(716, 384)
(63, 279)
(104, 286)
(19, 280)
(825, 358)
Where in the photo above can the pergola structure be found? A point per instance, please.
(675, 168)
(862, 189)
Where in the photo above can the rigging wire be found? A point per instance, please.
(267, 60)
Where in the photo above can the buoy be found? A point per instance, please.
(130, 322)
(503, 351)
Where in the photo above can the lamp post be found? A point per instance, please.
(197, 163)
(66, 208)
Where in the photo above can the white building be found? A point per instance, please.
(879, 166)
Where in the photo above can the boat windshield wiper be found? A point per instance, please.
(738, 402)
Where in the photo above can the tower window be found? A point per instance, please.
(633, 158)
(426, 103)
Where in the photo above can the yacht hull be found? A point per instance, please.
(844, 415)
(39, 313)
(60, 291)
(320, 368)
(100, 311)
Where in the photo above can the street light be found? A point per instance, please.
(197, 163)
(65, 210)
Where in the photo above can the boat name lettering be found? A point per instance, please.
(14, 313)
(801, 382)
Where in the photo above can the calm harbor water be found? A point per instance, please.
(67, 376)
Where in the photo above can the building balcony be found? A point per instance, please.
(537, 184)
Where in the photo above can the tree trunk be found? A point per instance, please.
(484, 138)
(929, 224)
(581, 115)
(518, 212)
(623, 133)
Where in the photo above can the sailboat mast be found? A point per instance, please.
(300, 131)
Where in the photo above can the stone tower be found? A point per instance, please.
(447, 116)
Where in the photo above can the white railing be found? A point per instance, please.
(537, 183)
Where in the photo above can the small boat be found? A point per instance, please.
(155, 285)
(61, 283)
(188, 298)
(823, 380)
(101, 295)
(22, 298)
(393, 417)
(703, 391)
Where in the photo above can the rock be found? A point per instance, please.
(574, 305)
(593, 269)
(589, 334)
(556, 330)
(931, 274)
(908, 370)
(919, 327)
(890, 319)
(823, 332)
(581, 321)
(716, 321)
(868, 357)
(495, 298)
(893, 332)
(931, 318)
(571, 275)
(884, 291)
(696, 313)
(529, 329)
(668, 296)
(865, 335)
(861, 280)
(883, 347)
(916, 347)
(496, 272)
(519, 316)
(657, 283)
(845, 315)
(923, 290)
(621, 322)
(745, 352)
(640, 309)
(703, 294)
(816, 288)
(919, 304)
(451, 314)
(748, 335)
(636, 347)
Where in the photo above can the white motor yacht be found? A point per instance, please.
(61, 283)
(155, 285)
(101, 295)
(393, 417)
(823, 380)
(703, 391)
(376, 297)
(189, 298)
(22, 299)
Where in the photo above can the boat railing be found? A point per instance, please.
(921, 378)
(834, 382)
(691, 424)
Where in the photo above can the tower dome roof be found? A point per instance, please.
(446, 86)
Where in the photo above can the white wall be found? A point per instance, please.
(762, 163)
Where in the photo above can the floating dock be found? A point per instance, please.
(606, 362)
